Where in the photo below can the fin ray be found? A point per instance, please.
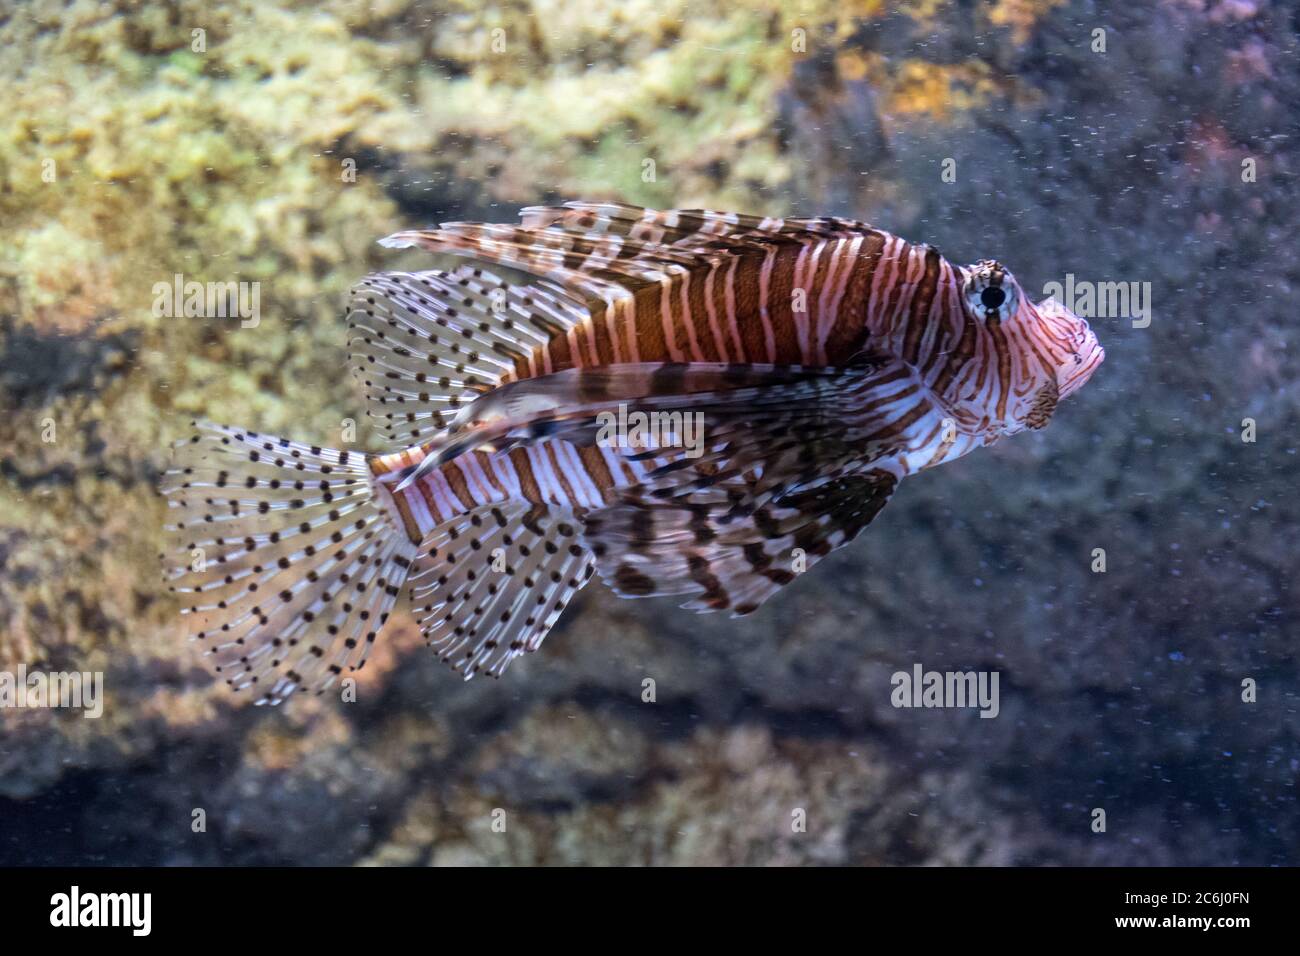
(650, 549)
(423, 344)
(489, 586)
(287, 564)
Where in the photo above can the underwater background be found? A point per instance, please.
(281, 141)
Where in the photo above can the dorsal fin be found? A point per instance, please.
(612, 282)
(424, 343)
(679, 227)
(594, 263)
(626, 285)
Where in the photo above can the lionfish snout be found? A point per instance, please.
(1072, 342)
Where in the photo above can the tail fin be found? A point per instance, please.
(288, 562)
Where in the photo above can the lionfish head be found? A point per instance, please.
(1050, 351)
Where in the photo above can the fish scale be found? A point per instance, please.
(826, 359)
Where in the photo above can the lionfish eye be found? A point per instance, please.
(991, 291)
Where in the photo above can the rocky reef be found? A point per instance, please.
(273, 142)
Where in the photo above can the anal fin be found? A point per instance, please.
(488, 586)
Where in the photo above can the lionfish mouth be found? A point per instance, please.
(1079, 367)
(1071, 343)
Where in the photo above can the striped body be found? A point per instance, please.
(859, 289)
(548, 473)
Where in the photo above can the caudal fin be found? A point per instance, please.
(287, 563)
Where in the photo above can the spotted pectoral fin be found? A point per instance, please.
(728, 562)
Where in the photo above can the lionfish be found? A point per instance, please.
(828, 360)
